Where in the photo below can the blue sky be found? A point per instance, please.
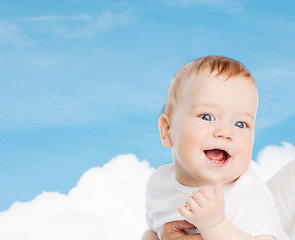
(84, 81)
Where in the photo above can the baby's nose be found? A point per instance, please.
(223, 132)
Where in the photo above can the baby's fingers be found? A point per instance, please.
(199, 198)
(192, 204)
(184, 211)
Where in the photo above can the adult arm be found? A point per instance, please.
(149, 235)
(173, 231)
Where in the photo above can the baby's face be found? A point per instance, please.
(212, 129)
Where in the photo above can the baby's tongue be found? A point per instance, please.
(214, 154)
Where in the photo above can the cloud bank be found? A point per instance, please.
(107, 203)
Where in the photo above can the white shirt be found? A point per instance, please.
(248, 203)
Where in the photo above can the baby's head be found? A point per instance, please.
(209, 121)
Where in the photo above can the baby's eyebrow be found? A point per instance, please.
(250, 116)
(247, 115)
(214, 105)
(196, 105)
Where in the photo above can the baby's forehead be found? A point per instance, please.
(211, 66)
(199, 86)
(204, 78)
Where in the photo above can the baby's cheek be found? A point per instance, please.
(246, 148)
(188, 143)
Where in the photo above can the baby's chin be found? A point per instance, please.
(230, 180)
(224, 181)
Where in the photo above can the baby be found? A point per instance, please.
(209, 123)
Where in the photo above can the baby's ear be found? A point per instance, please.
(164, 127)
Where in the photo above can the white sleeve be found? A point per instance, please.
(149, 221)
(148, 198)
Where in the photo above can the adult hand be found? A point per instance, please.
(175, 231)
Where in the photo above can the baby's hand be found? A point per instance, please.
(205, 208)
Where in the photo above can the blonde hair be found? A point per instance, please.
(219, 65)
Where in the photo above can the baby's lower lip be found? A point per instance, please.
(218, 163)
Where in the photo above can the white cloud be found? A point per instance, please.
(80, 25)
(107, 203)
(78, 17)
(272, 158)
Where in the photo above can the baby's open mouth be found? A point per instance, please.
(217, 156)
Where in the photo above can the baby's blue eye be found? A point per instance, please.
(207, 117)
(240, 124)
